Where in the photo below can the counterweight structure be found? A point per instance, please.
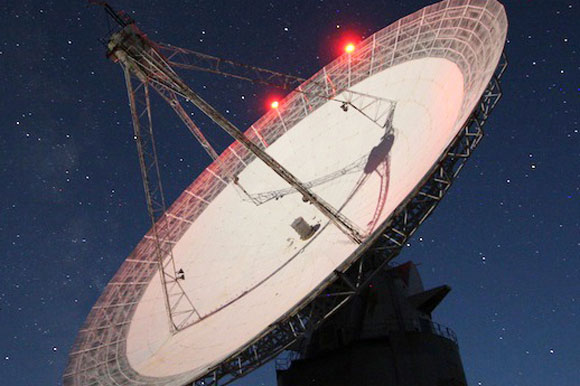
(413, 97)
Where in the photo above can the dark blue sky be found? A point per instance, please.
(506, 238)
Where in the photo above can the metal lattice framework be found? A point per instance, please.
(469, 33)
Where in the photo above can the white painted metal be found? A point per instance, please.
(245, 267)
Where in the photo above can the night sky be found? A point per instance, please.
(506, 238)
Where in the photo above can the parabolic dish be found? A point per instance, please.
(246, 268)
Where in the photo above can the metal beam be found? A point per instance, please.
(141, 57)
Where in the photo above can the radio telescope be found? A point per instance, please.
(299, 213)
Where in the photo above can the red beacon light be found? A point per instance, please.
(349, 48)
(274, 104)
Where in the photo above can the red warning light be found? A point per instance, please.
(274, 104)
(349, 48)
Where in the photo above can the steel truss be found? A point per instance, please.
(382, 247)
(131, 48)
(470, 34)
(140, 59)
(180, 309)
(192, 60)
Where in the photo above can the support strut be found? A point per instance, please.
(139, 55)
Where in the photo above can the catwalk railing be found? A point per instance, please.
(381, 330)
(408, 325)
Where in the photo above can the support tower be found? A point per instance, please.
(384, 336)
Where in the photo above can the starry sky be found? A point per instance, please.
(506, 238)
